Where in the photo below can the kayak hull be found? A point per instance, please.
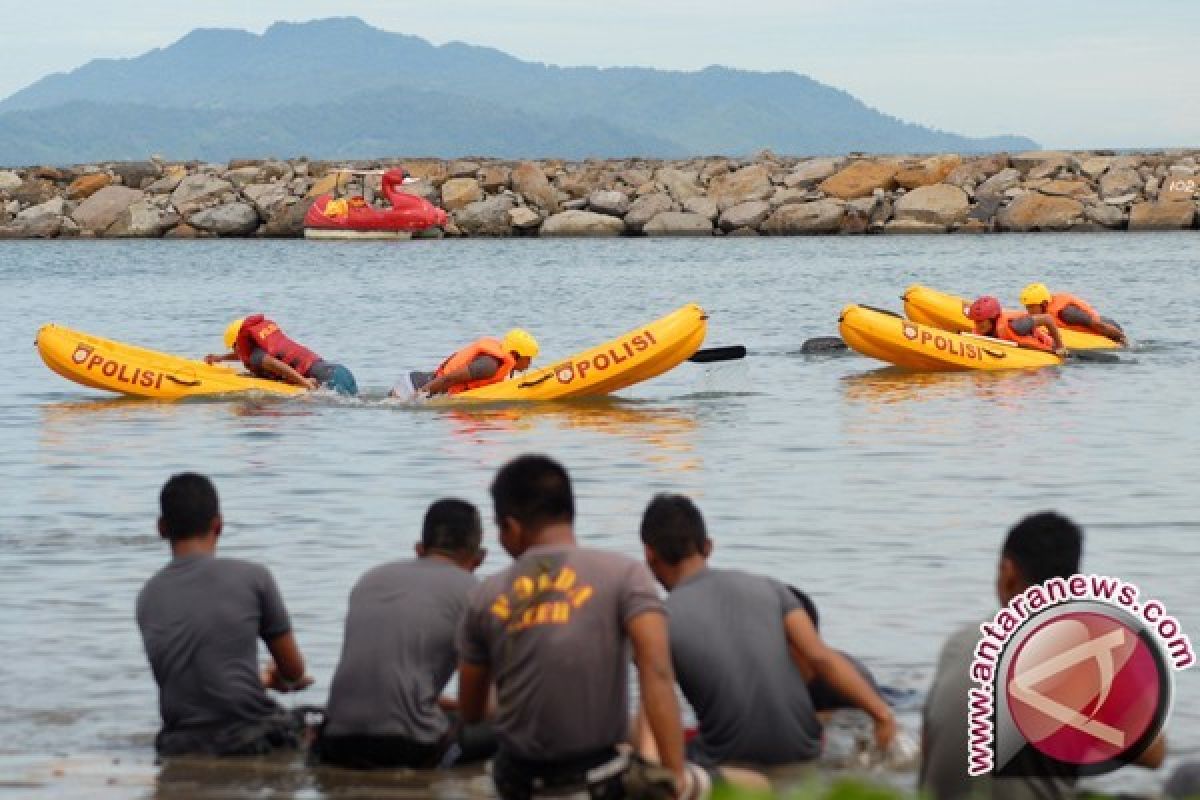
(949, 312)
(635, 356)
(112, 366)
(914, 346)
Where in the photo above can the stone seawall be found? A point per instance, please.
(765, 195)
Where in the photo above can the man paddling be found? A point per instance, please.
(267, 352)
(1036, 331)
(1069, 311)
(201, 618)
(481, 363)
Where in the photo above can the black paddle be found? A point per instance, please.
(731, 353)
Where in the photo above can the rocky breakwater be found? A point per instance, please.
(765, 195)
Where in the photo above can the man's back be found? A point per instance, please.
(399, 650)
(730, 651)
(551, 628)
(201, 618)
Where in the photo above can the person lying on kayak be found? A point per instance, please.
(1069, 310)
(481, 363)
(1037, 331)
(264, 350)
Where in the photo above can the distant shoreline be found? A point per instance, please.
(764, 195)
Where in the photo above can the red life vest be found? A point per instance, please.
(1038, 339)
(480, 347)
(1058, 302)
(258, 331)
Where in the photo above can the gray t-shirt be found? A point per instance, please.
(551, 628)
(399, 650)
(201, 618)
(730, 651)
(943, 772)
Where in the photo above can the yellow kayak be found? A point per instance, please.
(633, 357)
(138, 372)
(912, 345)
(949, 312)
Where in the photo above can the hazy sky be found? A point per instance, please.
(1069, 74)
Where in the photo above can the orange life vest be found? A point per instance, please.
(258, 331)
(480, 347)
(1058, 302)
(1038, 339)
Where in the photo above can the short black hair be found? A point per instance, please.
(673, 528)
(534, 490)
(1044, 545)
(188, 504)
(452, 526)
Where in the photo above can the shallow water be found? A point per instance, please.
(885, 495)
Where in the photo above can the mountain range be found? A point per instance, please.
(339, 88)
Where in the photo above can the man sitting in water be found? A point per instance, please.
(201, 618)
(1040, 547)
(554, 632)
(398, 654)
(267, 352)
(481, 363)
(748, 686)
(1037, 331)
(1068, 310)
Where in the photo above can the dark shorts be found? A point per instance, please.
(469, 744)
(334, 376)
(600, 774)
(280, 731)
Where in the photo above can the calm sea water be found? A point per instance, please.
(885, 496)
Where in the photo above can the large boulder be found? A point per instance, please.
(746, 184)
(704, 206)
(1105, 215)
(808, 174)
(1162, 216)
(232, 219)
(822, 216)
(1119, 182)
(939, 204)
(745, 215)
(680, 184)
(170, 180)
(267, 198)
(609, 201)
(860, 179)
(463, 169)
(198, 191)
(1067, 187)
(524, 218)
(1094, 166)
(325, 184)
(646, 208)
(1033, 158)
(977, 170)
(33, 191)
(998, 184)
(928, 172)
(135, 173)
(242, 176)
(678, 223)
(53, 207)
(9, 181)
(529, 180)
(495, 177)
(1034, 211)
(101, 210)
(487, 217)
(433, 171)
(85, 186)
(459, 193)
(275, 172)
(582, 223)
(143, 219)
(288, 221)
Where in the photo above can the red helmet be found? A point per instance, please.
(986, 307)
